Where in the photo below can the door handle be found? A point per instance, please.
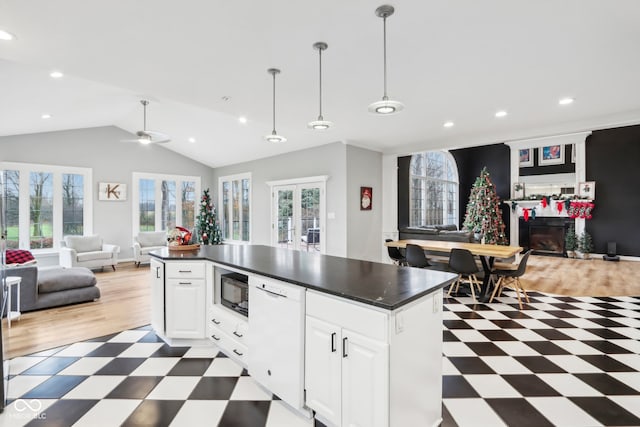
(344, 347)
(333, 342)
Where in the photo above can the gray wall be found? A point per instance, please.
(364, 228)
(327, 159)
(111, 161)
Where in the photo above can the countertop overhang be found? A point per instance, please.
(382, 285)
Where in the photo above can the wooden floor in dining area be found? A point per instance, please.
(125, 300)
(125, 303)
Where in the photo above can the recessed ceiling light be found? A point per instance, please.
(448, 124)
(565, 101)
(242, 119)
(56, 74)
(191, 140)
(46, 116)
(501, 113)
(5, 35)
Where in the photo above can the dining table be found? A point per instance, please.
(487, 253)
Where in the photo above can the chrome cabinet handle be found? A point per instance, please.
(237, 352)
(344, 347)
(184, 271)
(184, 283)
(157, 272)
(217, 322)
(333, 342)
(237, 334)
(215, 337)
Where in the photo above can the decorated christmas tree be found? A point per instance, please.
(208, 229)
(484, 216)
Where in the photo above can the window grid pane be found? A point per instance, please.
(188, 204)
(40, 210)
(147, 205)
(225, 210)
(12, 208)
(433, 189)
(235, 209)
(72, 204)
(168, 212)
(245, 210)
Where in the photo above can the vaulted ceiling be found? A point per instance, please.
(203, 64)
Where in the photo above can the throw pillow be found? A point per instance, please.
(15, 257)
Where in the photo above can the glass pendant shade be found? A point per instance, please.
(385, 106)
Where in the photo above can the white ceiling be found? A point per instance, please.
(458, 60)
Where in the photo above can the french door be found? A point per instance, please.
(298, 216)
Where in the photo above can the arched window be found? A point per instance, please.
(433, 189)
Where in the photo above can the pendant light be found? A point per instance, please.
(320, 123)
(385, 106)
(273, 136)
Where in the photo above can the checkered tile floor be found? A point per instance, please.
(560, 361)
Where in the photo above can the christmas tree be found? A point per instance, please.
(484, 216)
(208, 229)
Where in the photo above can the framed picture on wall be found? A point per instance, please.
(526, 157)
(366, 198)
(551, 155)
(587, 190)
(112, 191)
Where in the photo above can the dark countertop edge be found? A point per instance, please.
(307, 286)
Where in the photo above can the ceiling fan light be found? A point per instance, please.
(320, 124)
(144, 141)
(6, 35)
(275, 138)
(386, 107)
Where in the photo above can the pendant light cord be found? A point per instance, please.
(320, 61)
(274, 103)
(144, 116)
(384, 50)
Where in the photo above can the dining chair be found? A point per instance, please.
(512, 276)
(462, 262)
(415, 256)
(395, 254)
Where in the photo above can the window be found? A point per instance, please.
(235, 199)
(433, 189)
(159, 206)
(44, 203)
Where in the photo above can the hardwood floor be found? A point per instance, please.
(126, 302)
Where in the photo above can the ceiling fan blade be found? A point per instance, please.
(157, 137)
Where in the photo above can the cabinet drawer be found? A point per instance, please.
(178, 270)
(368, 322)
(229, 345)
(229, 324)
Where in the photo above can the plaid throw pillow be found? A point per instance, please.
(19, 256)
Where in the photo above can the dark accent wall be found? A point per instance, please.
(567, 167)
(403, 191)
(612, 161)
(470, 161)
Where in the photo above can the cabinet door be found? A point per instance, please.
(185, 308)
(157, 296)
(323, 361)
(365, 381)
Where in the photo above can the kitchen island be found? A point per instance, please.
(356, 342)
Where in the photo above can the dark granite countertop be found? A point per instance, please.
(381, 285)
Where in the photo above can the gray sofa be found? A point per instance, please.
(448, 233)
(44, 287)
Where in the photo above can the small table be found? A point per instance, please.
(10, 281)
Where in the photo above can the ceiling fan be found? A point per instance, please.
(148, 136)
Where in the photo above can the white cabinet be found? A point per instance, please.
(185, 292)
(157, 295)
(346, 373)
(370, 367)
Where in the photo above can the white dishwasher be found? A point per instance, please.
(276, 342)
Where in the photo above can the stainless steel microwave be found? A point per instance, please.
(234, 292)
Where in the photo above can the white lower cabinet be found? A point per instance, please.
(229, 332)
(346, 374)
(185, 308)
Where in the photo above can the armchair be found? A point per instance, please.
(145, 242)
(87, 251)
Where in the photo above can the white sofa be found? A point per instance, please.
(87, 251)
(145, 242)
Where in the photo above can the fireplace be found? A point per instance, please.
(544, 235)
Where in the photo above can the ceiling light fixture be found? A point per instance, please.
(46, 116)
(321, 123)
(448, 124)
(191, 140)
(501, 113)
(386, 105)
(566, 101)
(56, 74)
(6, 35)
(273, 136)
(242, 119)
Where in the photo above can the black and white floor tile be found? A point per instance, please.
(560, 361)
